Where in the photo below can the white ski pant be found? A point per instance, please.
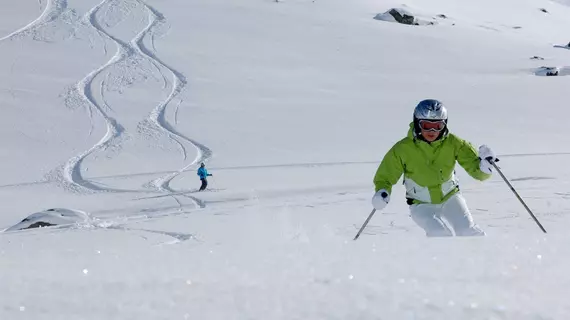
(446, 219)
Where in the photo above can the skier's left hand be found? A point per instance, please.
(487, 157)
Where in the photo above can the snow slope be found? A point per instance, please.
(109, 106)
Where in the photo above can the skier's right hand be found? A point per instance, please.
(380, 199)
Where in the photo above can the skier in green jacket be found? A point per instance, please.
(426, 158)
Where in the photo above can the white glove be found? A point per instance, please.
(486, 155)
(380, 199)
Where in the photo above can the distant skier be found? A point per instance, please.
(427, 158)
(203, 174)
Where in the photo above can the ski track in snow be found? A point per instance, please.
(176, 111)
(532, 178)
(133, 49)
(95, 223)
(97, 105)
(72, 169)
(120, 223)
(52, 10)
(177, 237)
(102, 90)
(158, 115)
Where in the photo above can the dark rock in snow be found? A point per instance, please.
(39, 224)
(543, 10)
(536, 58)
(402, 17)
(443, 16)
(548, 71)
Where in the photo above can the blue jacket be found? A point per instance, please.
(203, 173)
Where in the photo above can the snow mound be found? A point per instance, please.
(404, 16)
(50, 218)
(552, 71)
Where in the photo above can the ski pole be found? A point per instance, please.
(516, 194)
(365, 223)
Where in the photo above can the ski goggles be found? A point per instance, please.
(431, 125)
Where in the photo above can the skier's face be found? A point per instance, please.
(430, 136)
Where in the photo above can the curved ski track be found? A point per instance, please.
(157, 118)
(72, 169)
(52, 10)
